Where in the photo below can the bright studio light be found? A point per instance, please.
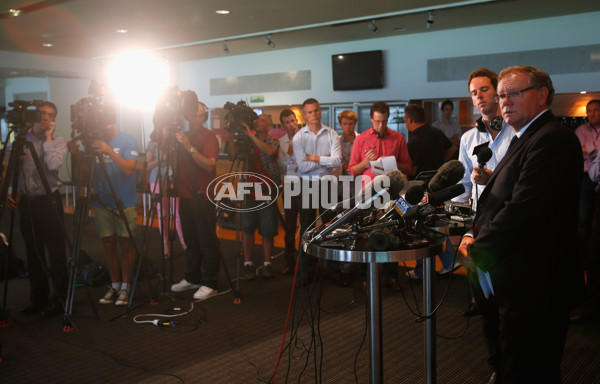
(138, 79)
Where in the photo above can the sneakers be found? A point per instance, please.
(250, 272)
(122, 298)
(109, 296)
(267, 271)
(413, 276)
(204, 293)
(184, 285)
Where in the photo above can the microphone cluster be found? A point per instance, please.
(399, 225)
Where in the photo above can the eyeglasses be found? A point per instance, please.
(513, 95)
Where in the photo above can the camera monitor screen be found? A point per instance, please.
(358, 70)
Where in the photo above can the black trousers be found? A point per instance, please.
(308, 214)
(198, 225)
(525, 343)
(42, 227)
(291, 219)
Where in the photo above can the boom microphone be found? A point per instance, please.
(447, 175)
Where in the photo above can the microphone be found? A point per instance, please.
(438, 198)
(414, 193)
(409, 204)
(483, 156)
(415, 203)
(397, 183)
(447, 175)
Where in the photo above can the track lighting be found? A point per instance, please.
(373, 26)
(269, 42)
(430, 17)
(225, 48)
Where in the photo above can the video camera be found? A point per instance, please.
(171, 108)
(87, 118)
(238, 114)
(88, 115)
(24, 113)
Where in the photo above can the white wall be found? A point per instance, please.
(405, 61)
(62, 66)
(24, 85)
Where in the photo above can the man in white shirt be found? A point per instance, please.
(318, 156)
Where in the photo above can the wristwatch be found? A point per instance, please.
(192, 150)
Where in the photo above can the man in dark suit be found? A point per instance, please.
(523, 234)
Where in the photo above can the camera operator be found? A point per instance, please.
(118, 151)
(41, 215)
(196, 160)
(262, 160)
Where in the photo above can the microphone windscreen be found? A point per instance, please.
(447, 175)
(484, 155)
(397, 182)
(414, 193)
(438, 198)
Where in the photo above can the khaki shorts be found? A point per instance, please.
(109, 223)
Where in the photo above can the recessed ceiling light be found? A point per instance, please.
(122, 30)
(48, 45)
(14, 12)
(222, 11)
(583, 92)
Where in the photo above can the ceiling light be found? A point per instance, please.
(122, 30)
(373, 26)
(583, 92)
(14, 12)
(225, 48)
(48, 45)
(269, 42)
(430, 17)
(222, 12)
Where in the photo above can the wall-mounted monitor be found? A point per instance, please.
(357, 70)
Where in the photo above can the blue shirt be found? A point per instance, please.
(125, 187)
(470, 140)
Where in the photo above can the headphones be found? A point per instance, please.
(495, 124)
(380, 135)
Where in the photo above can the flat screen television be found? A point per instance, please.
(357, 70)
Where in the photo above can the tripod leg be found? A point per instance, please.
(82, 199)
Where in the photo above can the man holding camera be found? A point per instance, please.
(196, 162)
(41, 215)
(118, 151)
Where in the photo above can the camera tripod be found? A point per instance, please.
(239, 164)
(83, 203)
(12, 180)
(166, 154)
